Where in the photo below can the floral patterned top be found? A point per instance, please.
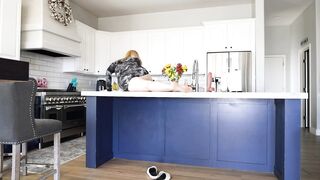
(125, 70)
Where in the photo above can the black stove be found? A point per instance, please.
(67, 107)
(59, 97)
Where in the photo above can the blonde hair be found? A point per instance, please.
(132, 54)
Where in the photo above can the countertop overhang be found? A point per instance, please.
(197, 95)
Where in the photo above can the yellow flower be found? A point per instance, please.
(184, 68)
(167, 71)
(168, 66)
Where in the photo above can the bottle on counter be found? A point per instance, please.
(115, 86)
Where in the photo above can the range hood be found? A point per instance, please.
(41, 33)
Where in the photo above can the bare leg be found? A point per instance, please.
(142, 85)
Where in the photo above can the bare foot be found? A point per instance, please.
(180, 88)
(185, 88)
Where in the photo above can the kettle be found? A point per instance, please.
(101, 85)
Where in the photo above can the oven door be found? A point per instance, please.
(73, 116)
(53, 112)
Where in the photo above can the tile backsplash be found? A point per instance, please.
(42, 66)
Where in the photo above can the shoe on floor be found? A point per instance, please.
(152, 172)
(163, 176)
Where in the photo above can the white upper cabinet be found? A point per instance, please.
(231, 35)
(193, 49)
(174, 46)
(241, 34)
(216, 37)
(10, 29)
(156, 52)
(86, 62)
(102, 52)
(120, 44)
(87, 36)
(139, 42)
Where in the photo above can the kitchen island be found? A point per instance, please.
(243, 131)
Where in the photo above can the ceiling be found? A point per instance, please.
(278, 12)
(108, 8)
(284, 12)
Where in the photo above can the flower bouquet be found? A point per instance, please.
(174, 73)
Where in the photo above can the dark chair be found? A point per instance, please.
(18, 125)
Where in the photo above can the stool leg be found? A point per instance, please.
(15, 174)
(25, 160)
(56, 164)
(1, 160)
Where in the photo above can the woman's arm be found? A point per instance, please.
(110, 71)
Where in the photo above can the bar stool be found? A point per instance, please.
(18, 125)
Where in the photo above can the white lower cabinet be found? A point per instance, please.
(10, 29)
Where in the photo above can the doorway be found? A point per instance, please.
(305, 55)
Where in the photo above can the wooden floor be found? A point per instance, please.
(135, 170)
(310, 156)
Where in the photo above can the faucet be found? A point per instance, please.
(195, 76)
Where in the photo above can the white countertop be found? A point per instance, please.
(198, 95)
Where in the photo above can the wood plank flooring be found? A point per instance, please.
(119, 169)
(310, 156)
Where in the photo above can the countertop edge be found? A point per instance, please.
(198, 95)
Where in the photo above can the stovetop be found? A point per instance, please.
(59, 97)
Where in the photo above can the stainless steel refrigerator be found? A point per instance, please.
(229, 71)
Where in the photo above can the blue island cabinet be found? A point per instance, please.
(241, 134)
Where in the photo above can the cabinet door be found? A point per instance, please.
(139, 129)
(102, 55)
(120, 44)
(193, 49)
(140, 44)
(241, 35)
(216, 37)
(156, 51)
(86, 62)
(10, 29)
(90, 50)
(80, 65)
(173, 46)
(187, 132)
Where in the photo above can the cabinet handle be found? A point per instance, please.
(231, 47)
(226, 47)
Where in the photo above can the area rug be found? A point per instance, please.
(70, 150)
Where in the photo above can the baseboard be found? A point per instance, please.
(315, 131)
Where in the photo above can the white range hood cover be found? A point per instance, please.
(41, 32)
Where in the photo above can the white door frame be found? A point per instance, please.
(300, 57)
(284, 57)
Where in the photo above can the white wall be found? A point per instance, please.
(317, 9)
(84, 16)
(42, 66)
(260, 45)
(304, 27)
(170, 19)
(277, 42)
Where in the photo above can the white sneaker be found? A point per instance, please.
(152, 172)
(163, 176)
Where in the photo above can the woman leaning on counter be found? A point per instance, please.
(133, 77)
